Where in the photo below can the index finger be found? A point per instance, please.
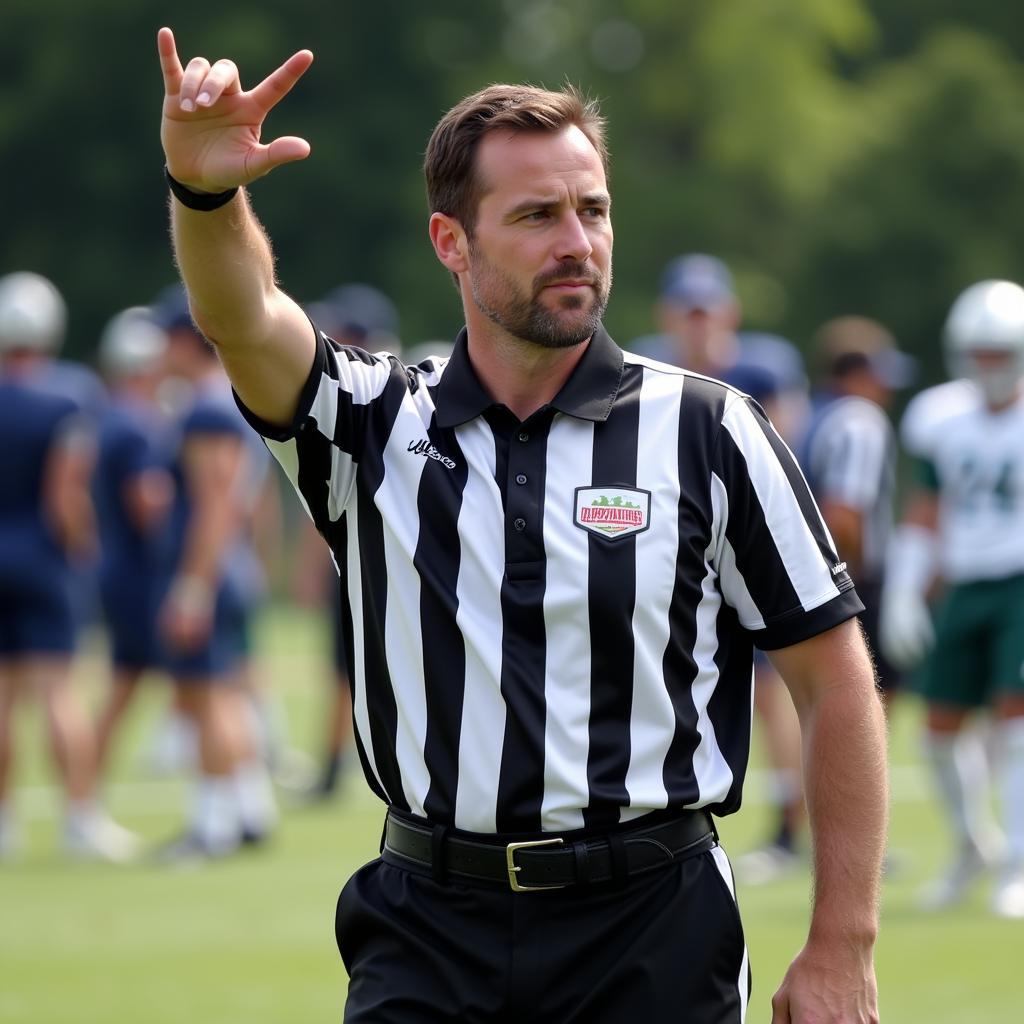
(279, 83)
(169, 63)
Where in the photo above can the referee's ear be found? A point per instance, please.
(451, 244)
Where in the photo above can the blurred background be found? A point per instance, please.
(851, 156)
(848, 156)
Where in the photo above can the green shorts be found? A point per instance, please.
(979, 644)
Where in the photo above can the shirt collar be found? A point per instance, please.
(588, 394)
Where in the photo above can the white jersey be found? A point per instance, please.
(978, 459)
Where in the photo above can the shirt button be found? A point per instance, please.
(520, 478)
(520, 525)
(523, 435)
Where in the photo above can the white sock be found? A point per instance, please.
(215, 820)
(268, 726)
(256, 805)
(1010, 744)
(81, 814)
(8, 832)
(960, 767)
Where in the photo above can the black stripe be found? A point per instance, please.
(523, 639)
(700, 419)
(757, 555)
(611, 598)
(339, 544)
(801, 492)
(730, 705)
(380, 694)
(437, 561)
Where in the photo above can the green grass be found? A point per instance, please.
(251, 940)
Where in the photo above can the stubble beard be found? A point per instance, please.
(525, 317)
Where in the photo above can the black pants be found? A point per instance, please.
(665, 946)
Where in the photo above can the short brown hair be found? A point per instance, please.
(450, 162)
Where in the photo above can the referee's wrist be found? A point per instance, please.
(194, 200)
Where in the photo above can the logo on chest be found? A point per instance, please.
(428, 451)
(612, 512)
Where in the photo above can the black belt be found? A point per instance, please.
(552, 863)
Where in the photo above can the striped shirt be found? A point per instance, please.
(553, 619)
(850, 459)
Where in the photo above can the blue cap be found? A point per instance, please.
(697, 280)
(359, 310)
(170, 309)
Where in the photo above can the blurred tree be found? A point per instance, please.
(933, 200)
(841, 155)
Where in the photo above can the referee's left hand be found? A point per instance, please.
(828, 986)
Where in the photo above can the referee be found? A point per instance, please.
(558, 559)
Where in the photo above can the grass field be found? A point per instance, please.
(251, 941)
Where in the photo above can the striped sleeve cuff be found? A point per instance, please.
(802, 625)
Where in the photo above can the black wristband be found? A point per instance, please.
(204, 201)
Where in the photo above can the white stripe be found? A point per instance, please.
(567, 628)
(734, 586)
(324, 409)
(652, 719)
(710, 768)
(403, 637)
(481, 567)
(287, 455)
(363, 381)
(342, 483)
(725, 870)
(808, 571)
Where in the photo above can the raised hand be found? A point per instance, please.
(210, 129)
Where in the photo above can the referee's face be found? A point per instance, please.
(541, 252)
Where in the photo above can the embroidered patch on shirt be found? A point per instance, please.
(612, 512)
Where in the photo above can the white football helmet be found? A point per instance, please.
(132, 342)
(33, 316)
(988, 317)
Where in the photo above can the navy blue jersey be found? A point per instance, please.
(73, 381)
(132, 441)
(213, 414)
(31, 423)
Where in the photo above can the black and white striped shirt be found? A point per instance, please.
(553, 620)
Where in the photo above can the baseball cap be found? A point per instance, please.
(170, 309)
(849, 343)
(697, 280)
(359, 310)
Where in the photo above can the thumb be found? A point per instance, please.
(285, 150)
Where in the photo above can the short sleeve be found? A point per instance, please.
(777, 563)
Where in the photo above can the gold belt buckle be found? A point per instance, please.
(513, 867)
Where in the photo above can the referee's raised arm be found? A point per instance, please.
(210, 131)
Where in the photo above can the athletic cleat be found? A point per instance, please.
(767, 864)
(1008, 898)
(949, 889)
(98, 837)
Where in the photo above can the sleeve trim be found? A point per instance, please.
(802, 625)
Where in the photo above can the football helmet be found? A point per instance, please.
(33, 316)
(984, 338)
(132, 342)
